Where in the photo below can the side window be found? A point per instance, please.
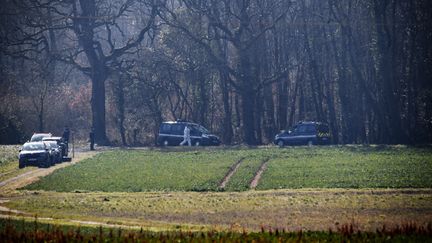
(165, 128)
(177, 129)
(301, 129)
(310, 129)
(195, 131)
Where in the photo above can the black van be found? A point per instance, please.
(304, 133)
(171, 134)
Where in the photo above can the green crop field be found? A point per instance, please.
(241, 179)
(134, 171)
(356, 167)
(203, 170)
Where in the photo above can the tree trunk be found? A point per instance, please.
(121, 109)
(41, 114)
(385, 72)
(98, 105)
(247, 94)
(227, 120)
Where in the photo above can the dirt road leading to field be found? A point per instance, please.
(34, 175)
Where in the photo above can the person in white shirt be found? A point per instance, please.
(186, 136)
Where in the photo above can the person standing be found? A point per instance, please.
(186, 136)
(66, 134)
(92, 139)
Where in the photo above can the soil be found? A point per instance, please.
(230, 173)
(257, 177)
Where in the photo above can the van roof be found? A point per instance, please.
(179, 122)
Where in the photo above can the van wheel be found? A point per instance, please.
(165, 143)
(280, 143)
(310, 143)
(197, 143)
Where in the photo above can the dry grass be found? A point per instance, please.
(288, 209)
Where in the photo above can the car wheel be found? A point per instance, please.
(165, 143)
(45, 164)
(21, 164)
(310, 143)
(197, 143)
(280, 143)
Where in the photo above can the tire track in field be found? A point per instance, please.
(233, 169)
(258, 174)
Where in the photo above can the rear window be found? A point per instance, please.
(323, 128)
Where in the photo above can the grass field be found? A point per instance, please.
(245, 173)
(9, 162)
(135, 171)
(283, 209)
(309, 188)
(355, 167)
(203, 170)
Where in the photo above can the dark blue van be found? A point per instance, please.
(171, 134)
(304, 133)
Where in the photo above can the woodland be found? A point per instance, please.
(245, 69)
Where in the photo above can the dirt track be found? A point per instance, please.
(230, 173)
(7, 188)
(29, 177)
(257, 177)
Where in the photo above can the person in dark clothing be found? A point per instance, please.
(66, 134)
(92, 139)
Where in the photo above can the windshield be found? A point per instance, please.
(33, 146)
(51, 139)
(38, 137)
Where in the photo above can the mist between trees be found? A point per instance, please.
(245, 69)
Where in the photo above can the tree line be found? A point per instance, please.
(246, 69)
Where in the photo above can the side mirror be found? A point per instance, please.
(289, 131)
(20, 150)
